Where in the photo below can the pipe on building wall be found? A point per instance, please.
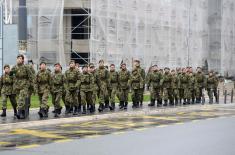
(22, 27)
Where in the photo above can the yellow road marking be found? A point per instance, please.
(162, 118)
(63, 140)
(93, 136)
(162, 126)
(118, 133)
(27, 146)
(179, 123)
(86, 132)
(36, 133)
(4, 143)
(141, 129)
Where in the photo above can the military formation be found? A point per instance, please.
(80, 91)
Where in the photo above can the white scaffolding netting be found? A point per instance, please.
(45, 31)
(228, 37)
(166, 32)
(174, 33)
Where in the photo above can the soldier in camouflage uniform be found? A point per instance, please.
(71, 78)
(43, 87)
(6, 84)
(153, 82)
(142, 73)
(103, 82)
(94, 86)
(22, 77)
(184, 86)
(136, 84)
(57, 86)
(191, 87)
(215, 90)
(166, 83)
(85, 86)
(193, 84)
(124, 76)
(175, 86)
(113, 80)
(210, 83)
(31, 88)
(199, 84)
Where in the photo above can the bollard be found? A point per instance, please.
(225, 96)
(218, 96)
(232, 96)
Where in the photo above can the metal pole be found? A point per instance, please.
(22, 27)
(225, 96)
(232, 96)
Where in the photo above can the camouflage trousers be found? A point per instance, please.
(184, 93)
(124, 95)
(12, 100)
(71, 98)
(43, 99)
(21, 95)
(56, 98)
(86, 98)
(199, 92)
(175, 94)
(112, 94)
(167, 94)
(155, 93)
(136, 95)
(141, 95)
(210, 93)
(103, 94)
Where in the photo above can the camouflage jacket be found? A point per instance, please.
(123, 78)
(154, 79)
(136, 81)
(166, 81)
(113, 79)
(6, 84)
(22, 77)
(57, 84)
(43, 81)
(86, 82)
(71, 77)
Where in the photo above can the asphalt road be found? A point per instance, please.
(205, 137)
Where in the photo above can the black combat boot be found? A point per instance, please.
(67, 109)
(101, 107)
(84, 109)
(112, 106)
(106, 104)
(121, 105)
(141, 104)
(134, 105)
(152, 103)
(92, 108)
(210, 100)
(56, 114)
(159, 103)
(40, 113)
(137, 104)
(125, 105)
(15, 111)
(4, 113)
(165, 103)
(176, 102)
(71, 109)
(184, 103)
(188, 101)
(75, 111)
